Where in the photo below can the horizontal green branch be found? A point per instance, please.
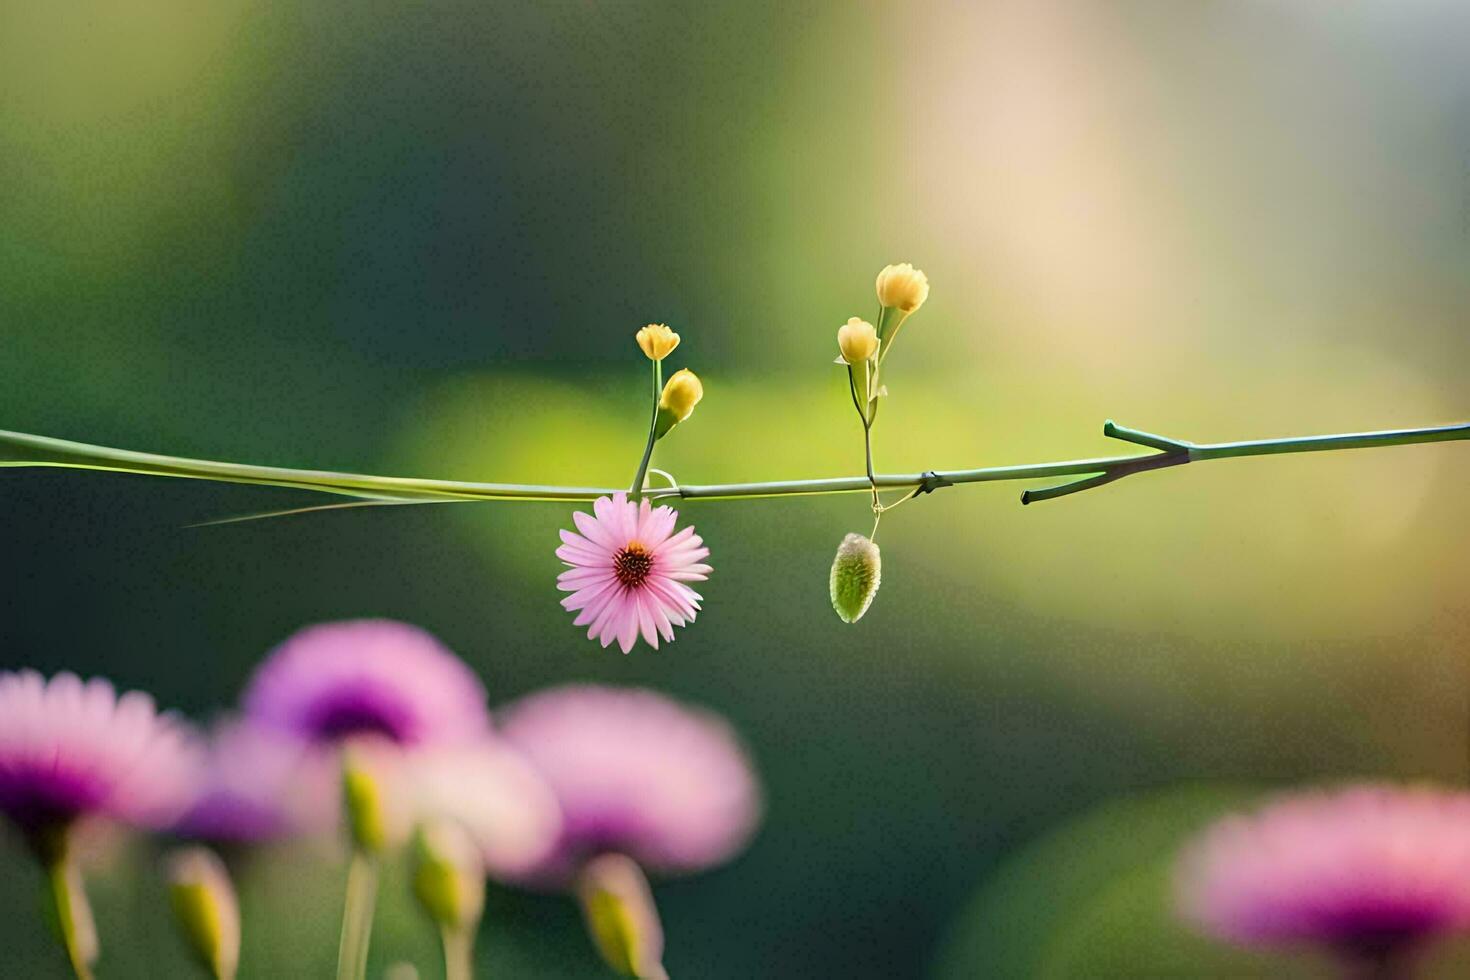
(21, 450)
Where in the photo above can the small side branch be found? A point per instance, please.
(1172, 452)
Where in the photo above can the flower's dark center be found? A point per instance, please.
(360, 710)
(632, 565)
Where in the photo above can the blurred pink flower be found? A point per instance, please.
(1369, 871)
(628, 570)
(261, 784)
(487, 787)
(638, 774)
(333, 681)
(70, 749)
(493, 792)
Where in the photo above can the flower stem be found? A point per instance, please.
(459, 945)
(357, 916)
(636, 490)
(73, 915)
(42, 451)
(866, 411)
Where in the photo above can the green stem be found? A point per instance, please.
(863, 414)
(636, 490)
(459, 946)
(872, 477)
(357, 916)
(73, 915)
(41, 451)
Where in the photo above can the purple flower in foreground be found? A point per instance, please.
(1371, 872)
(638, 774)
(333, 681)
(261, 784)
(71, 749)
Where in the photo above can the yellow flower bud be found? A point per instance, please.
(449, 876)
(857, 340)
(682, 392)
(657, 341)
(205, 908)
(377, 816)
(857, 572)
(621, 917)
(902, 287)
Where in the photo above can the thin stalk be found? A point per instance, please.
(357, 916)
(865, 409)
(872, 477)
(459, 945)
(73, 915)
(41, 451)
(636, 490)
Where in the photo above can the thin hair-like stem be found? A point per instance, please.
(636, 490)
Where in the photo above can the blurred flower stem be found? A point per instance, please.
(459, 945)
(41, 451)
(73, 914)
(357, 916)
(636, 490)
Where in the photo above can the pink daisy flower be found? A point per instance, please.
(628, 570)
(70, 749)
(1371, 872)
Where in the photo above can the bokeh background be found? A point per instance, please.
(416, 239)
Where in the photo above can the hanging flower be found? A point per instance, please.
(628, 569)
(857, 571)
(638, 774)
(71, 749)
(260, 784)
(1371, 872)
(330, 682)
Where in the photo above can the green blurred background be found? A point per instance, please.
(416, 239)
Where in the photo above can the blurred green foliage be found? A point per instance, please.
(418, 239)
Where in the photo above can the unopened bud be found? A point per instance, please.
(449, 876)
(375, 819)
(856, 574)
(681, 393)
(621, 917)
(657, 341)
(857, 340)
(205, 909)
(902, 287)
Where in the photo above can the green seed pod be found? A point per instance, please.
(856, 574)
